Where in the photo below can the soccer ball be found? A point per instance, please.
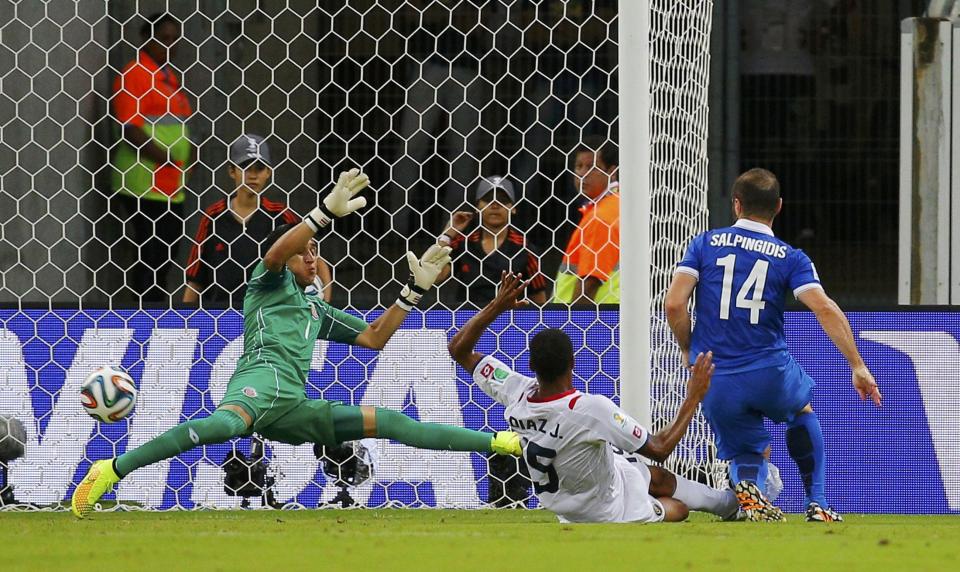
(108, 394)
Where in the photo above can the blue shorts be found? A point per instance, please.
(737, 403)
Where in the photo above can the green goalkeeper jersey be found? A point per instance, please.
(281, 323)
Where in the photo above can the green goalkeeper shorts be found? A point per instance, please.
(280, 410)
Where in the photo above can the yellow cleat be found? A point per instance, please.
(506, 443)
(98, 482)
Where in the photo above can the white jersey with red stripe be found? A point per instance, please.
(567, 442)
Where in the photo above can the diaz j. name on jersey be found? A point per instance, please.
(566, 443)
(743, 274)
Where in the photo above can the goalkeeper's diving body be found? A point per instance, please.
(569, 437)
(283, 317)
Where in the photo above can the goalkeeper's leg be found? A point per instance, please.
(352, 423)
(223, 425)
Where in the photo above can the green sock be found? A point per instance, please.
(217, 428)
(438, 436)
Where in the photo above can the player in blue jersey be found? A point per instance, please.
(742, 275)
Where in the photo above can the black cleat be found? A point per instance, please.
(817, 513)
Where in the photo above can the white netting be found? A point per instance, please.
(426, 96)
(679, 81)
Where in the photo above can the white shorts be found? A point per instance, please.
(638, 505)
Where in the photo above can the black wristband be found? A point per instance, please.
(326, 212)
(317, 219)
(411, 293)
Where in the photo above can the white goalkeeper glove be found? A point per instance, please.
(341, 201)
(423, 273)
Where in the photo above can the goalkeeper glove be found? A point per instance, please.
(423, 273)
(341, 201)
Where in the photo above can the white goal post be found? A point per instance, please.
(635, 306)
(663, 127)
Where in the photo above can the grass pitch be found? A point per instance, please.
(420, 540)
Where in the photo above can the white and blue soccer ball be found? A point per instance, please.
(108, 394)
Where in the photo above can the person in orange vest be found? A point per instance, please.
(151, 161)
(590, 271)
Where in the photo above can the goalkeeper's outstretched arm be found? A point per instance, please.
(461, 346)
(341, 201)
(423, 274)
(292, 242)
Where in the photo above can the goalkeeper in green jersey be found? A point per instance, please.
(281, 323)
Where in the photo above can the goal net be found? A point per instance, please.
(427, 97)
(679, 83)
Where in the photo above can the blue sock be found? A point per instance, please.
(805, 443)
(749, 467)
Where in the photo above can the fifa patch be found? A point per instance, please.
(500, 374)
(657, 509)
(637, 431)
(620, 419)
(249, 391)
(313, 310)
(194, 437)
(486, 370)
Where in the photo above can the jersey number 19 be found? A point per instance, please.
(750, 295)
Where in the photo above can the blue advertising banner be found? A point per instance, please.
(902, 458)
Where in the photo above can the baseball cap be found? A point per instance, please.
(249, 147)
(488, 184)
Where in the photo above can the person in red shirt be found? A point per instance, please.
(231, 230)
(151, 161)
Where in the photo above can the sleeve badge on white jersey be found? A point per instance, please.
(487, 370)
(619, 418)
(498, 373)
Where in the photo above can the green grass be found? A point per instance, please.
(528, 541)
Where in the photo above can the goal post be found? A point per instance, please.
(664, 125)
(634, 92)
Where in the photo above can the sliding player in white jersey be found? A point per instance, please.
(568, 436)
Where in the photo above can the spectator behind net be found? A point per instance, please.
(231, 230)
(590, 272)
(151, 162)
(480, 258)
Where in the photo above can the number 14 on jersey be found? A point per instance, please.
(750, 295)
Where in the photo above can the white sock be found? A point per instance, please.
(707, 499)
